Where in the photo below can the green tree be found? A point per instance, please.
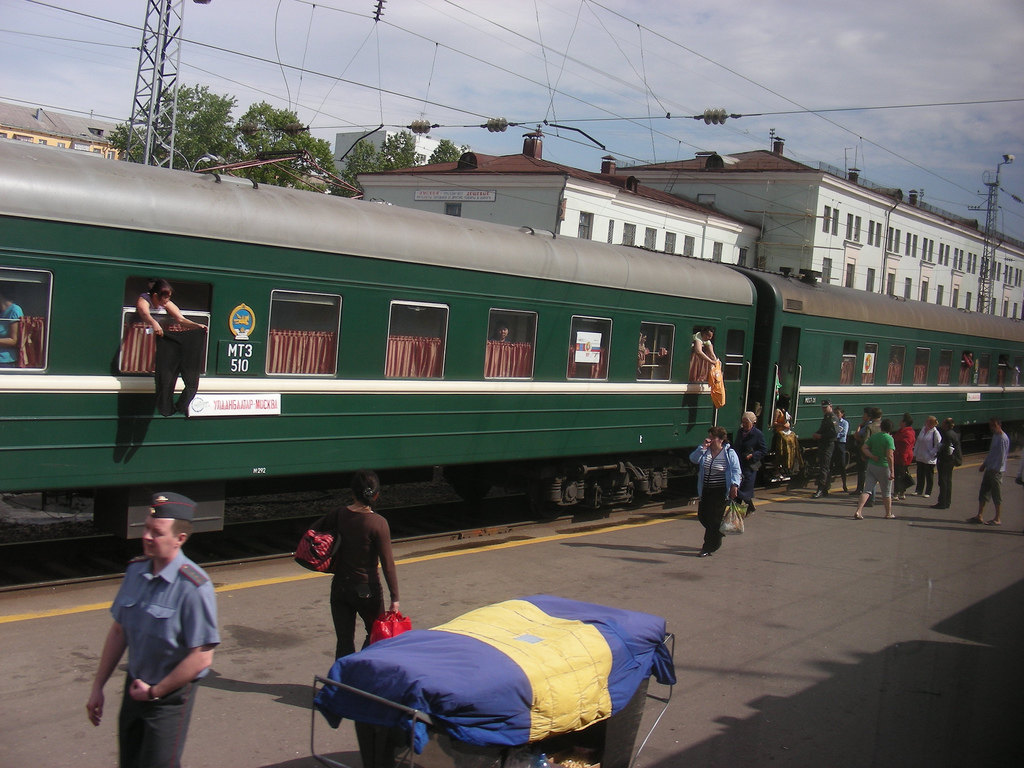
(264, 131)
(203, 126)
(447, 152)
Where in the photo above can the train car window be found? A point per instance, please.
(589, 348)
(966, 367)
(24, 319)
(849, 363)
(416, 341)
(921, 359)
(1002, 369)
(138, 344)
(702, 341)
(511, 336)
(654, 352)
(733, 369)
(302, 337)
(897, 356)
(867, 371)
(1018, 362)
(945, 365)
(983, 365)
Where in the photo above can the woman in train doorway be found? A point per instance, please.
(703, 357)
(718, 480)
(178, 351)
(364, 541)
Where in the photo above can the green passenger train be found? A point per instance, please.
(345, 333)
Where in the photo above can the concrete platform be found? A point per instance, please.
(810, 640)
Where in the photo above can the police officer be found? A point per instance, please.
(165, 614)
(826, 437)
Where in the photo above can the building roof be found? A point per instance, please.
(475, 163)
(756, 160)
(39, 120)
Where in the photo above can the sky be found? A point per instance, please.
(917, 94)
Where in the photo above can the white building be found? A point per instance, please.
(852, 232)
(343, 142)
(526, 190)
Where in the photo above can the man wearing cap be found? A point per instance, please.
(165, 614)
(826, 437)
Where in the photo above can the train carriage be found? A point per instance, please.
(341, 334)
(860, 349)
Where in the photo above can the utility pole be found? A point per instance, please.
(154, 109)
(986, 300)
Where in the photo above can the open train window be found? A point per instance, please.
(921, 359)
(1002, 370)
(733, 360)
(654, 352)
(416, 341)
(138, 344)
(24, 319)
(867, 369)
(511, 336)
(897, 356)
(984, 360)
(849, 363)
(302, 337)
(945, 365)
(703, 338)
(966, 367)
(589, 347)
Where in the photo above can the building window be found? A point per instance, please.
(589, 347)
(967, 303)
(742, 260)
(890, 284)
(851, 272)
(849, 226)
(835, 221)
(826, 270)
(654, 352)
(670, 242)
(611, 230)
(303, 333)
(869, 284)
(716, 251)
(939, 289)
(888, 239)
(650, 238)
(416, 341)
(629, 234)
(908, 285)
(955, 298)
(453, 209)
(26, 322)
(688, 245)
(924, 290)
(511, 336)
(856, 229)
(826, 220)
(586, 225)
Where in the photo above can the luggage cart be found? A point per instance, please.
(608, 743)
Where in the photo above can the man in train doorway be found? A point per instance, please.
(993, 468)
(826, 437)
(165, 614)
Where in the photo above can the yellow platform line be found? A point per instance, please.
(17, 617)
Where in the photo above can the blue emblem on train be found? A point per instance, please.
(242, 321)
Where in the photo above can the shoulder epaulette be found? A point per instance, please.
(193, 574)
(139, 559)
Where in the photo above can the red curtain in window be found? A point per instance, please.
(846, 371)
(587, 370)
(413, 357)
(31, 336)
(138, 350)
(301, 352)
(508, 360)
(895, 372)
(943, 374)
(920, 374)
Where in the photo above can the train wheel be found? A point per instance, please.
(470, 483)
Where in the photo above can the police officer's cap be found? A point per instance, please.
(825, 402)
(172, 505)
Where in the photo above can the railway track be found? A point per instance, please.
(436, 526)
